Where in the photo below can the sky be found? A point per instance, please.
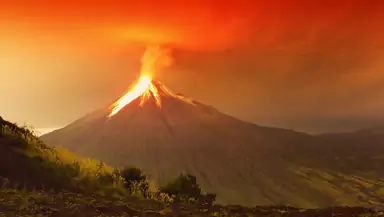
(313, 66)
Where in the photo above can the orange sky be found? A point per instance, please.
(313, 66)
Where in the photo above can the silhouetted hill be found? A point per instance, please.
(242, 162)
(27, 162)
(360, 152)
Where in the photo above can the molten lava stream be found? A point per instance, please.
(153, 59)
(144, 89)
(134, 93)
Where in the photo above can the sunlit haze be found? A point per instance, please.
(312, 66)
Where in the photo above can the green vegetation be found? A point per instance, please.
(26, 160)
(135, 180)
(184, 186)
(37, 180)
(185, 189)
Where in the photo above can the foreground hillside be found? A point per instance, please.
(36, 180)
(64, 204)
(27, 161)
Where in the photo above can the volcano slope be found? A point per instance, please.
(242, 162)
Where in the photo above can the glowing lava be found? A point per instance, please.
(143, 88)
(153, 59)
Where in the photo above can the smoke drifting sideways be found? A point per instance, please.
(190, 24)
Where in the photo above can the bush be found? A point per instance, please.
(135, 180)
(185, 186)
(186, 189)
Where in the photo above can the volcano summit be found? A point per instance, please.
(166, 134)
(146, 89)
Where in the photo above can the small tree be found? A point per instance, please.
(135, 178)
(184, 186)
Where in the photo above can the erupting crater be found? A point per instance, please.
(145, 88)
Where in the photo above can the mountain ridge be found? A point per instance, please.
(242, 162)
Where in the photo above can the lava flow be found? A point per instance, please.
(143, 88)
(153, 59)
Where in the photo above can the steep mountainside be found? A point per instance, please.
(241, 162)
(360, 152)
(40, 181)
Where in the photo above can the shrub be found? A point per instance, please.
(186, 189)
(135, 180)
(185, 186)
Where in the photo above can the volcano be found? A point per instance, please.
(166, 134)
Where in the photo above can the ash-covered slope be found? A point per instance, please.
(242, 162)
